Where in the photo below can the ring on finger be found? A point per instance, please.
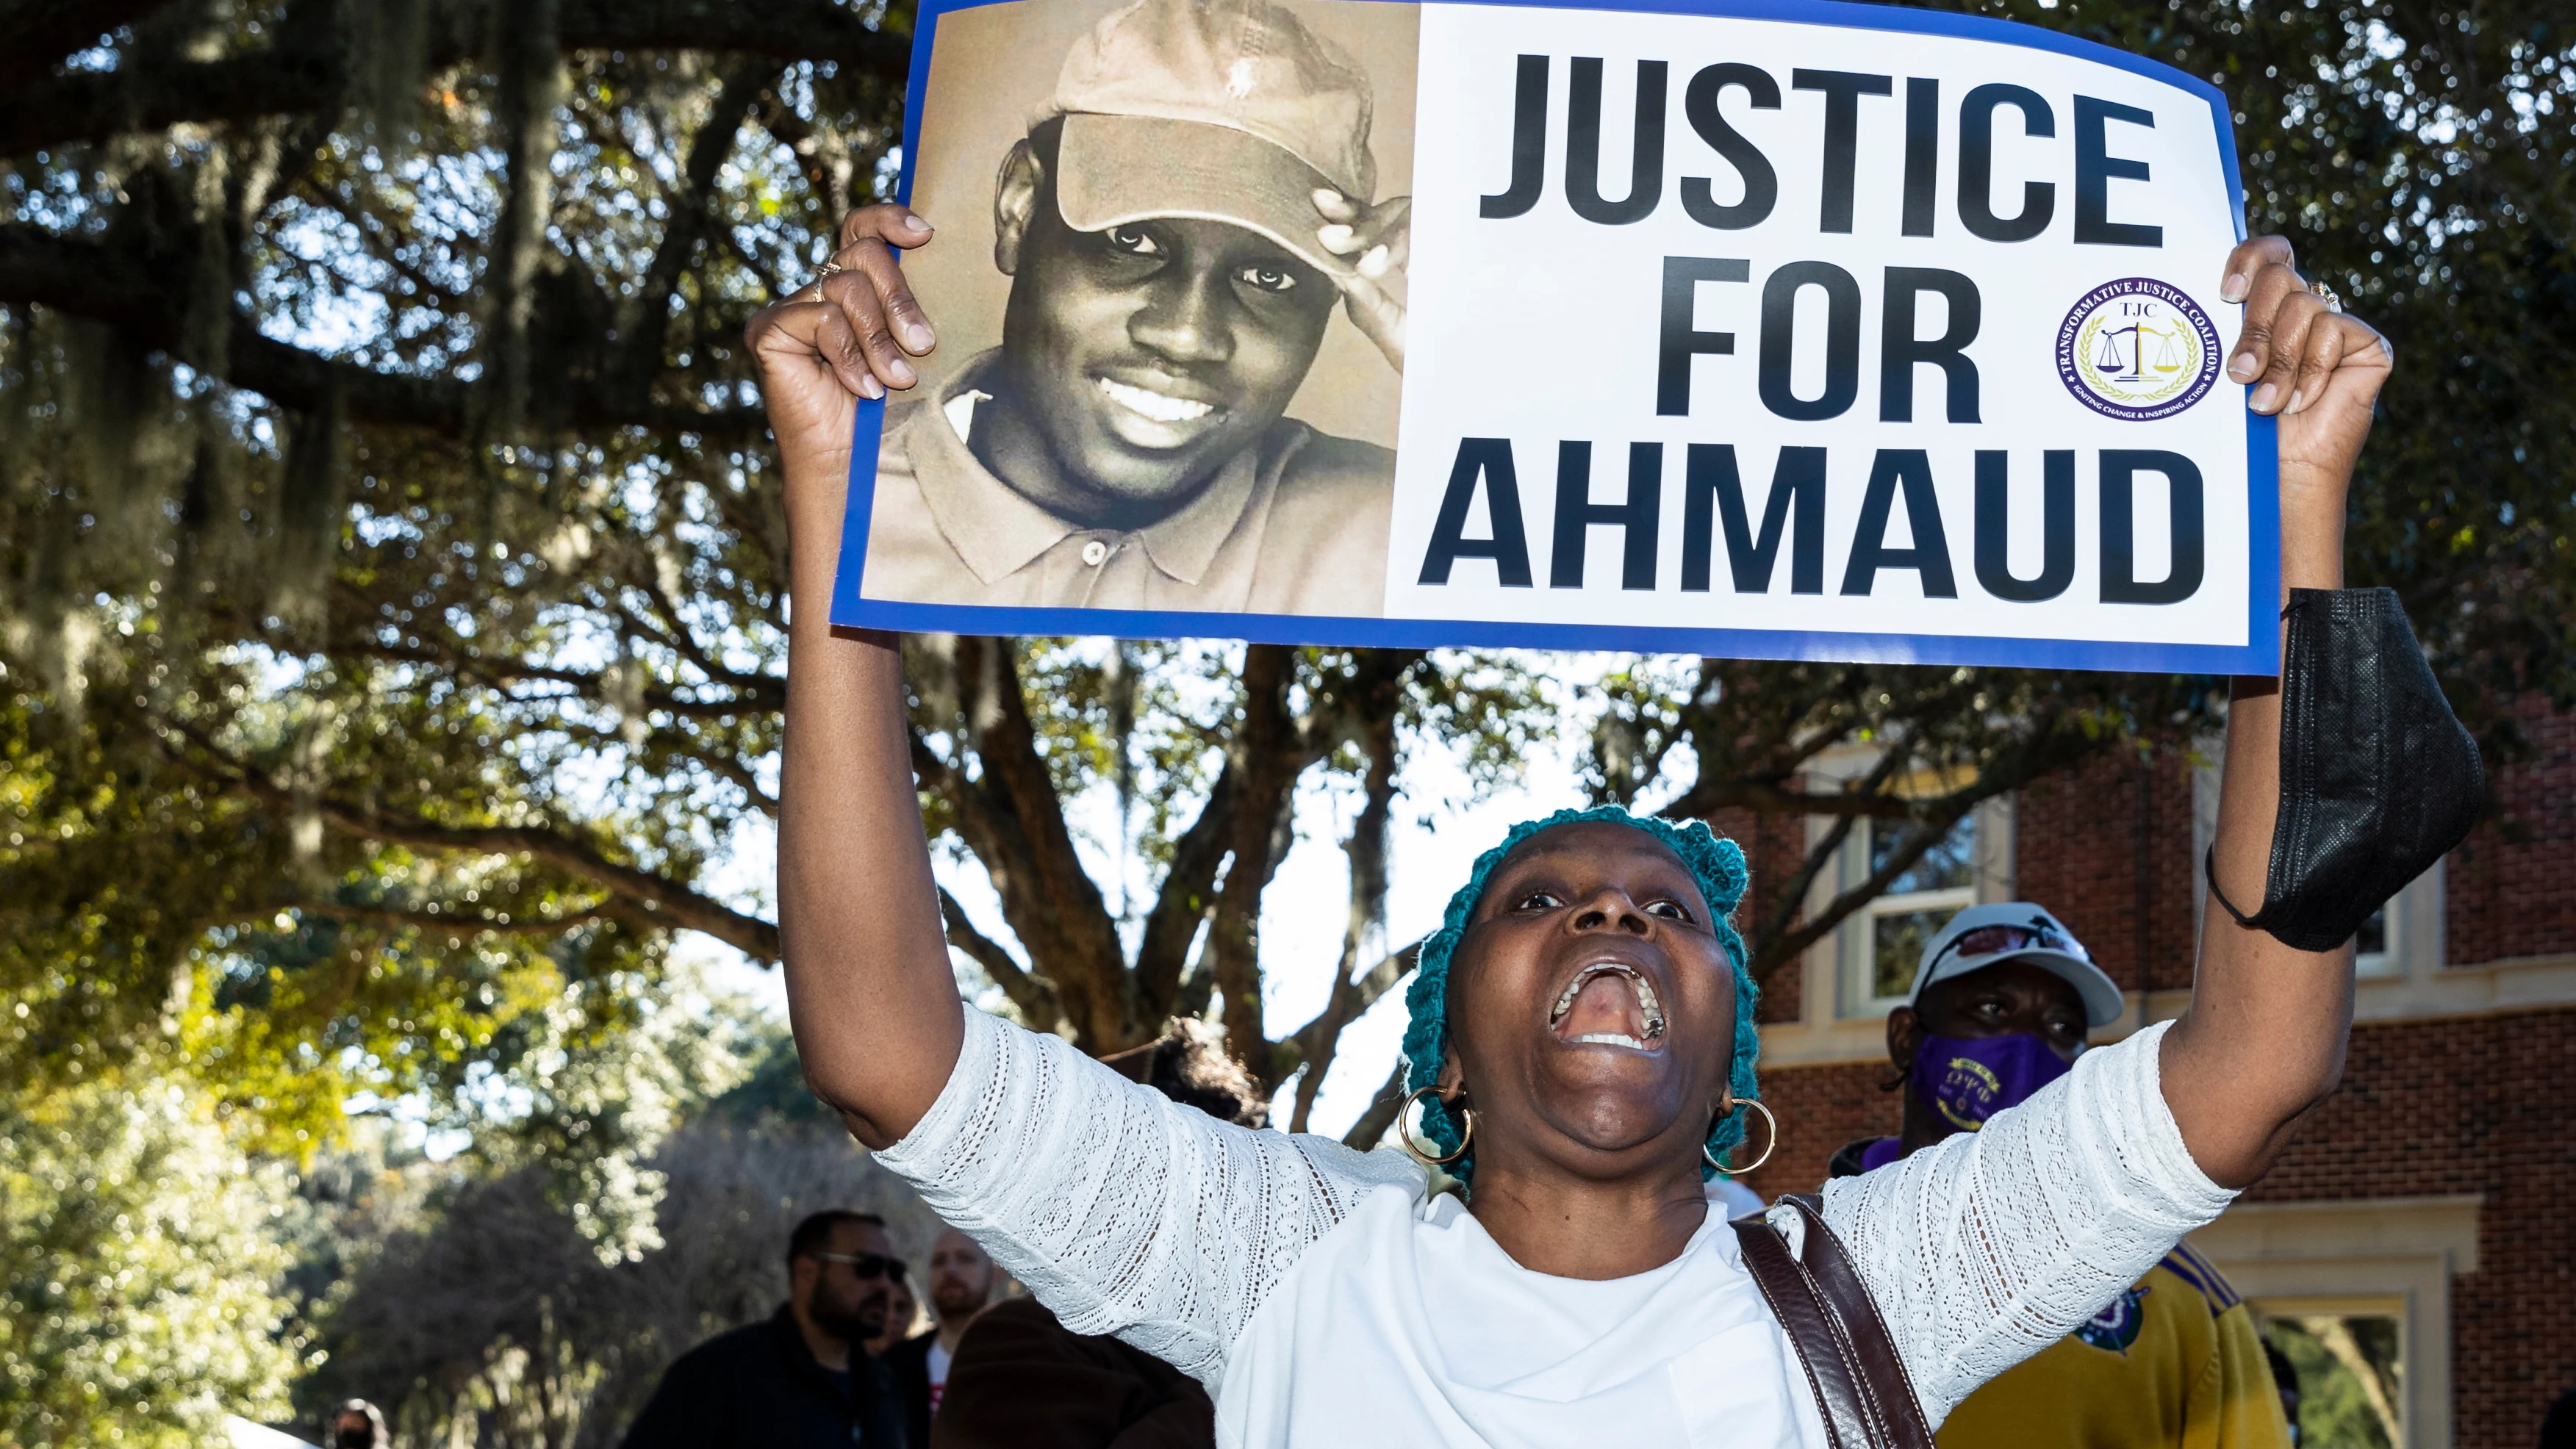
(2327, 295)
(833, 269)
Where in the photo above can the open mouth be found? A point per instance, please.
(1160, 407)
(1607, 1004)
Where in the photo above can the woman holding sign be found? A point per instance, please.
(1583, 1036)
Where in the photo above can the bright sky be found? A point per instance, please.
(1441, 825)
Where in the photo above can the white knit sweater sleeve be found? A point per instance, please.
(1990, 1246)
(1123, 1211)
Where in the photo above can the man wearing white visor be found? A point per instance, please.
(1187, 212)
(2000, 1008)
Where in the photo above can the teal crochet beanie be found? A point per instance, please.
(1715, 862)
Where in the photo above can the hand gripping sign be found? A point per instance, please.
(1757, 328)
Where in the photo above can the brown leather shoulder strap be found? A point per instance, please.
(1882, 1369)
(1802, 1316)
(1860, 1383)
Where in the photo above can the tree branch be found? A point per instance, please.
(1367, 851)
(1365, 989)
(686, 206)
(306, 71)
(468, 925)
(1034, 998)
(1768, 797)
(2054, 745)
(786, 31)
(146, 304)
(1267, 751)
(1014, 821)
(1188, 894)
(655, 898)
(1789, 942)
(1767, 954)
(36, 34)
(726, 765)
(1382, 1111)
(659, 898)
(499, 672)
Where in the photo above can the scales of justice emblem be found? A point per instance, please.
(2137, 349)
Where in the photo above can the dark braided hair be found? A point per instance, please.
(1189, 1063)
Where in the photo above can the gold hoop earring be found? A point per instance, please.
(1404, 1130)
(1755, 1164)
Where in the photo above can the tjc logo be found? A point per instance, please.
(2137, 349)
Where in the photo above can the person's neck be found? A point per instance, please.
(1923, 1126)
(1572, 1227)
(829, 1349)
(1015, 451)
(952, 1331)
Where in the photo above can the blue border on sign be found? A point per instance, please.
(2259, 655)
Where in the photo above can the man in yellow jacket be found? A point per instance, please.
(2000, 1008)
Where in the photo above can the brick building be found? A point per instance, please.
(2430, 1206)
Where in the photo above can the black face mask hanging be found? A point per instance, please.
(2378, 778)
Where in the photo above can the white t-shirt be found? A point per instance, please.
(939, 1358)
(1326, 1300)
(1732, 1197)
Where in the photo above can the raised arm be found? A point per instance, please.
(868, 982)
(2263, 1039)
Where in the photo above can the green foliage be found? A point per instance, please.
(487, 1315)
(140, 1273)
(342, 818)
(2421, 154)
(611, 1069)
(2348, 1378)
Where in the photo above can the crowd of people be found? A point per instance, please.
(2003, 1004)
(853, 1358)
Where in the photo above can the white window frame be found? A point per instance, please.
(2414, 915)
(1856, 942)
(2362, 1255)
(2390, 958)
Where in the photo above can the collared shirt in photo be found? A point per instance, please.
(1295, 524)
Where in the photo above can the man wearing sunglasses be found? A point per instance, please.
(2001, 1006)
(800, 1378)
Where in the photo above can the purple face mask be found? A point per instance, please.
(1966, 1080)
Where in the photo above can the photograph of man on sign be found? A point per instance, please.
(1194, 199)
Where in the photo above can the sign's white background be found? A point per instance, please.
(1544, 327)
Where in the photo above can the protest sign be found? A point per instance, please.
(1780, 330)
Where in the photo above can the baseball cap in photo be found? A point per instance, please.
(1223, 110)
(1980, 936)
